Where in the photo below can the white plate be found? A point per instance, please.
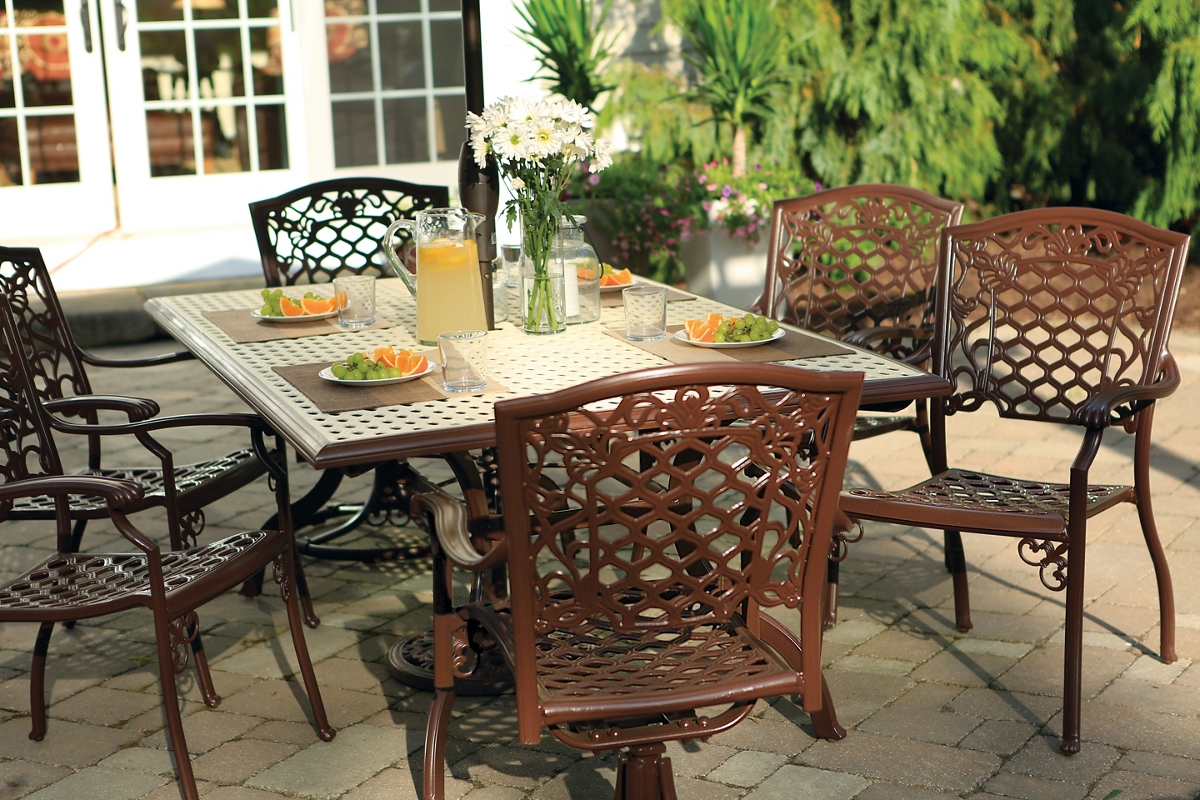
(327, 374)
(683, 337)
(301, 318)
(619, 288)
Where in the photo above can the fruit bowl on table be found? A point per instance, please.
(718, 331)
(384, 367)
(278, 307)
(618, 279)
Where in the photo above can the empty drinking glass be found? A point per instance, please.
(464, 360)
(356, 296)
(645, 313)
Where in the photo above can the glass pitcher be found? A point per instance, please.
(451, 289)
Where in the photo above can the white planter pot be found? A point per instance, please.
(726, 269)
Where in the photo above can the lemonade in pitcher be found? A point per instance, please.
(447, 284)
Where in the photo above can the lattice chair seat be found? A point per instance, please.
(90, 585)
(237, 468)
(975, 501)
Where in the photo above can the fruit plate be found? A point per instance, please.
(683, 337)
(301, 318)
(621, 286)
(327, 374)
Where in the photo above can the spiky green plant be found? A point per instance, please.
(570, 48)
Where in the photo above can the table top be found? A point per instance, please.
(524, 364)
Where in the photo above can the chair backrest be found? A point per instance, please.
(669, 498)
(26, 447)
(317, 232)
(1037, 310)
(855, 257)
(55, 365)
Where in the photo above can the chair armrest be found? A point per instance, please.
(149, 361)
(250, 421)
(136, 408)
(868, 339)
(447, 519)
(117, 494)
(1103, 409)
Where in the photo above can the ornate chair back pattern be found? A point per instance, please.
(855, 257)
(633, 507)
(1046, 307)
(54, 362)
(317, 232)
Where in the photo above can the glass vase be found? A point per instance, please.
(543, 293)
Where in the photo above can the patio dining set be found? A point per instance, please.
(631, 514)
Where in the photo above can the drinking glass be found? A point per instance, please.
(464, 360)
(510, 254)
(357, 300)
(645, 313)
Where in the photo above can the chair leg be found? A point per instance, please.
(956, 564)
(643, 774)
(436, 729)
(37, 682)
(207, 690)
(831, 595)
(921, 426)
(286, 564)
(170, 700)
(825, 722)
(1073, 661)
(1162, 573)
(73, 547)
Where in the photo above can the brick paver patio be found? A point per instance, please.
(931, 713)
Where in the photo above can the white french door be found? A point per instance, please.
(55, 168)
(192, 108)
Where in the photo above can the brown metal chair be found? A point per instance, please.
(1050, 315)
(59, 369)
(858, 263)
(649, 519)
(70, 586)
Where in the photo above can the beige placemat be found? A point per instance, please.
(796, 344)
(242, 328)
(610, 299)
(336, 398)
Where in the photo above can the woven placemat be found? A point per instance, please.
(243, 328)
(337, 398)
(796, 344)
(611, 299)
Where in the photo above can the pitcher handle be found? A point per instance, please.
(389, 252)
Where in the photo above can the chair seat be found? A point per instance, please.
(196, 485)
(974, 501)
(592, 671)
(82, 585)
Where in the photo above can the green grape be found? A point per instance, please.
(265, 311)
(745, 337)
(360, 372)
(719, 337)
(338, 370)
(278, 293)
(772, 326)
(739, 326)
(356, 359)
(394, 372)
(266, 294)
(352, 375)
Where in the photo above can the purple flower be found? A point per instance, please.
(817, 185)
(593, 179)
(728, 190)
(758, 167)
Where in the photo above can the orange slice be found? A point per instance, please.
(289, 308)
(312, 306)
(623, 276)
(699, 330)
(414, 365)
(386, 356)
(714, 320)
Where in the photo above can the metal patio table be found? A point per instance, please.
(522, 364)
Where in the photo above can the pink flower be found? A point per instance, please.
(762, 187)
(671, 241)
(817, 186)
(706, 205)
(593, 179)
(752, 227)
(712, 187)
(740, 231)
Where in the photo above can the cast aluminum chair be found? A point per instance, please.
(59, 369)
(650, 519)
(858, 263)
(171, 585)
(1057, 315)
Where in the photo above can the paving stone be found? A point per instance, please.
(206, 729)
(1041, 672)
(977, 646)
(1184, 769)
(142, 759)
(997, 704)
(19, 778)
(276, 657)
(234, 762)
(902, 646)
(300, 733)
(695, 759)
(591, 777)
(881, 666)
(356, 674)
(928, 696)
(1136, 729)
(857, 695)
(916, 723)
(171, 791)
(854, 631)
(100, 783)
(1012, 627)
(999, 736)
(103, 706)
(1165, 698)
(963, 669)
(747, 768)
(769, 735)
(890, 791)
(518, 767)
(67, 744)
(1040, 758)
(693, 788)
(287, 701)
(1150, 668)
(1026, 788)
(329, 769)
(913, 763)
(1136, 786)
(804, 783)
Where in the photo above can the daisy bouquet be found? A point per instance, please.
(536, 144)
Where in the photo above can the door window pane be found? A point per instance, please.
(447, 41)
(354, 134)
(219, 63)
(445, 5)
(164, 56)
(399, 6)
(10, 153)
(157, 11)
(272, 138)
(401, 55)
(46, 67)
(214, 9)
(226, 140)
(266, 58)
(31, 12)
(404, 130)
(53, 151)
(450, 115)
(349, 57)
(172, 148)
(262, 8)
